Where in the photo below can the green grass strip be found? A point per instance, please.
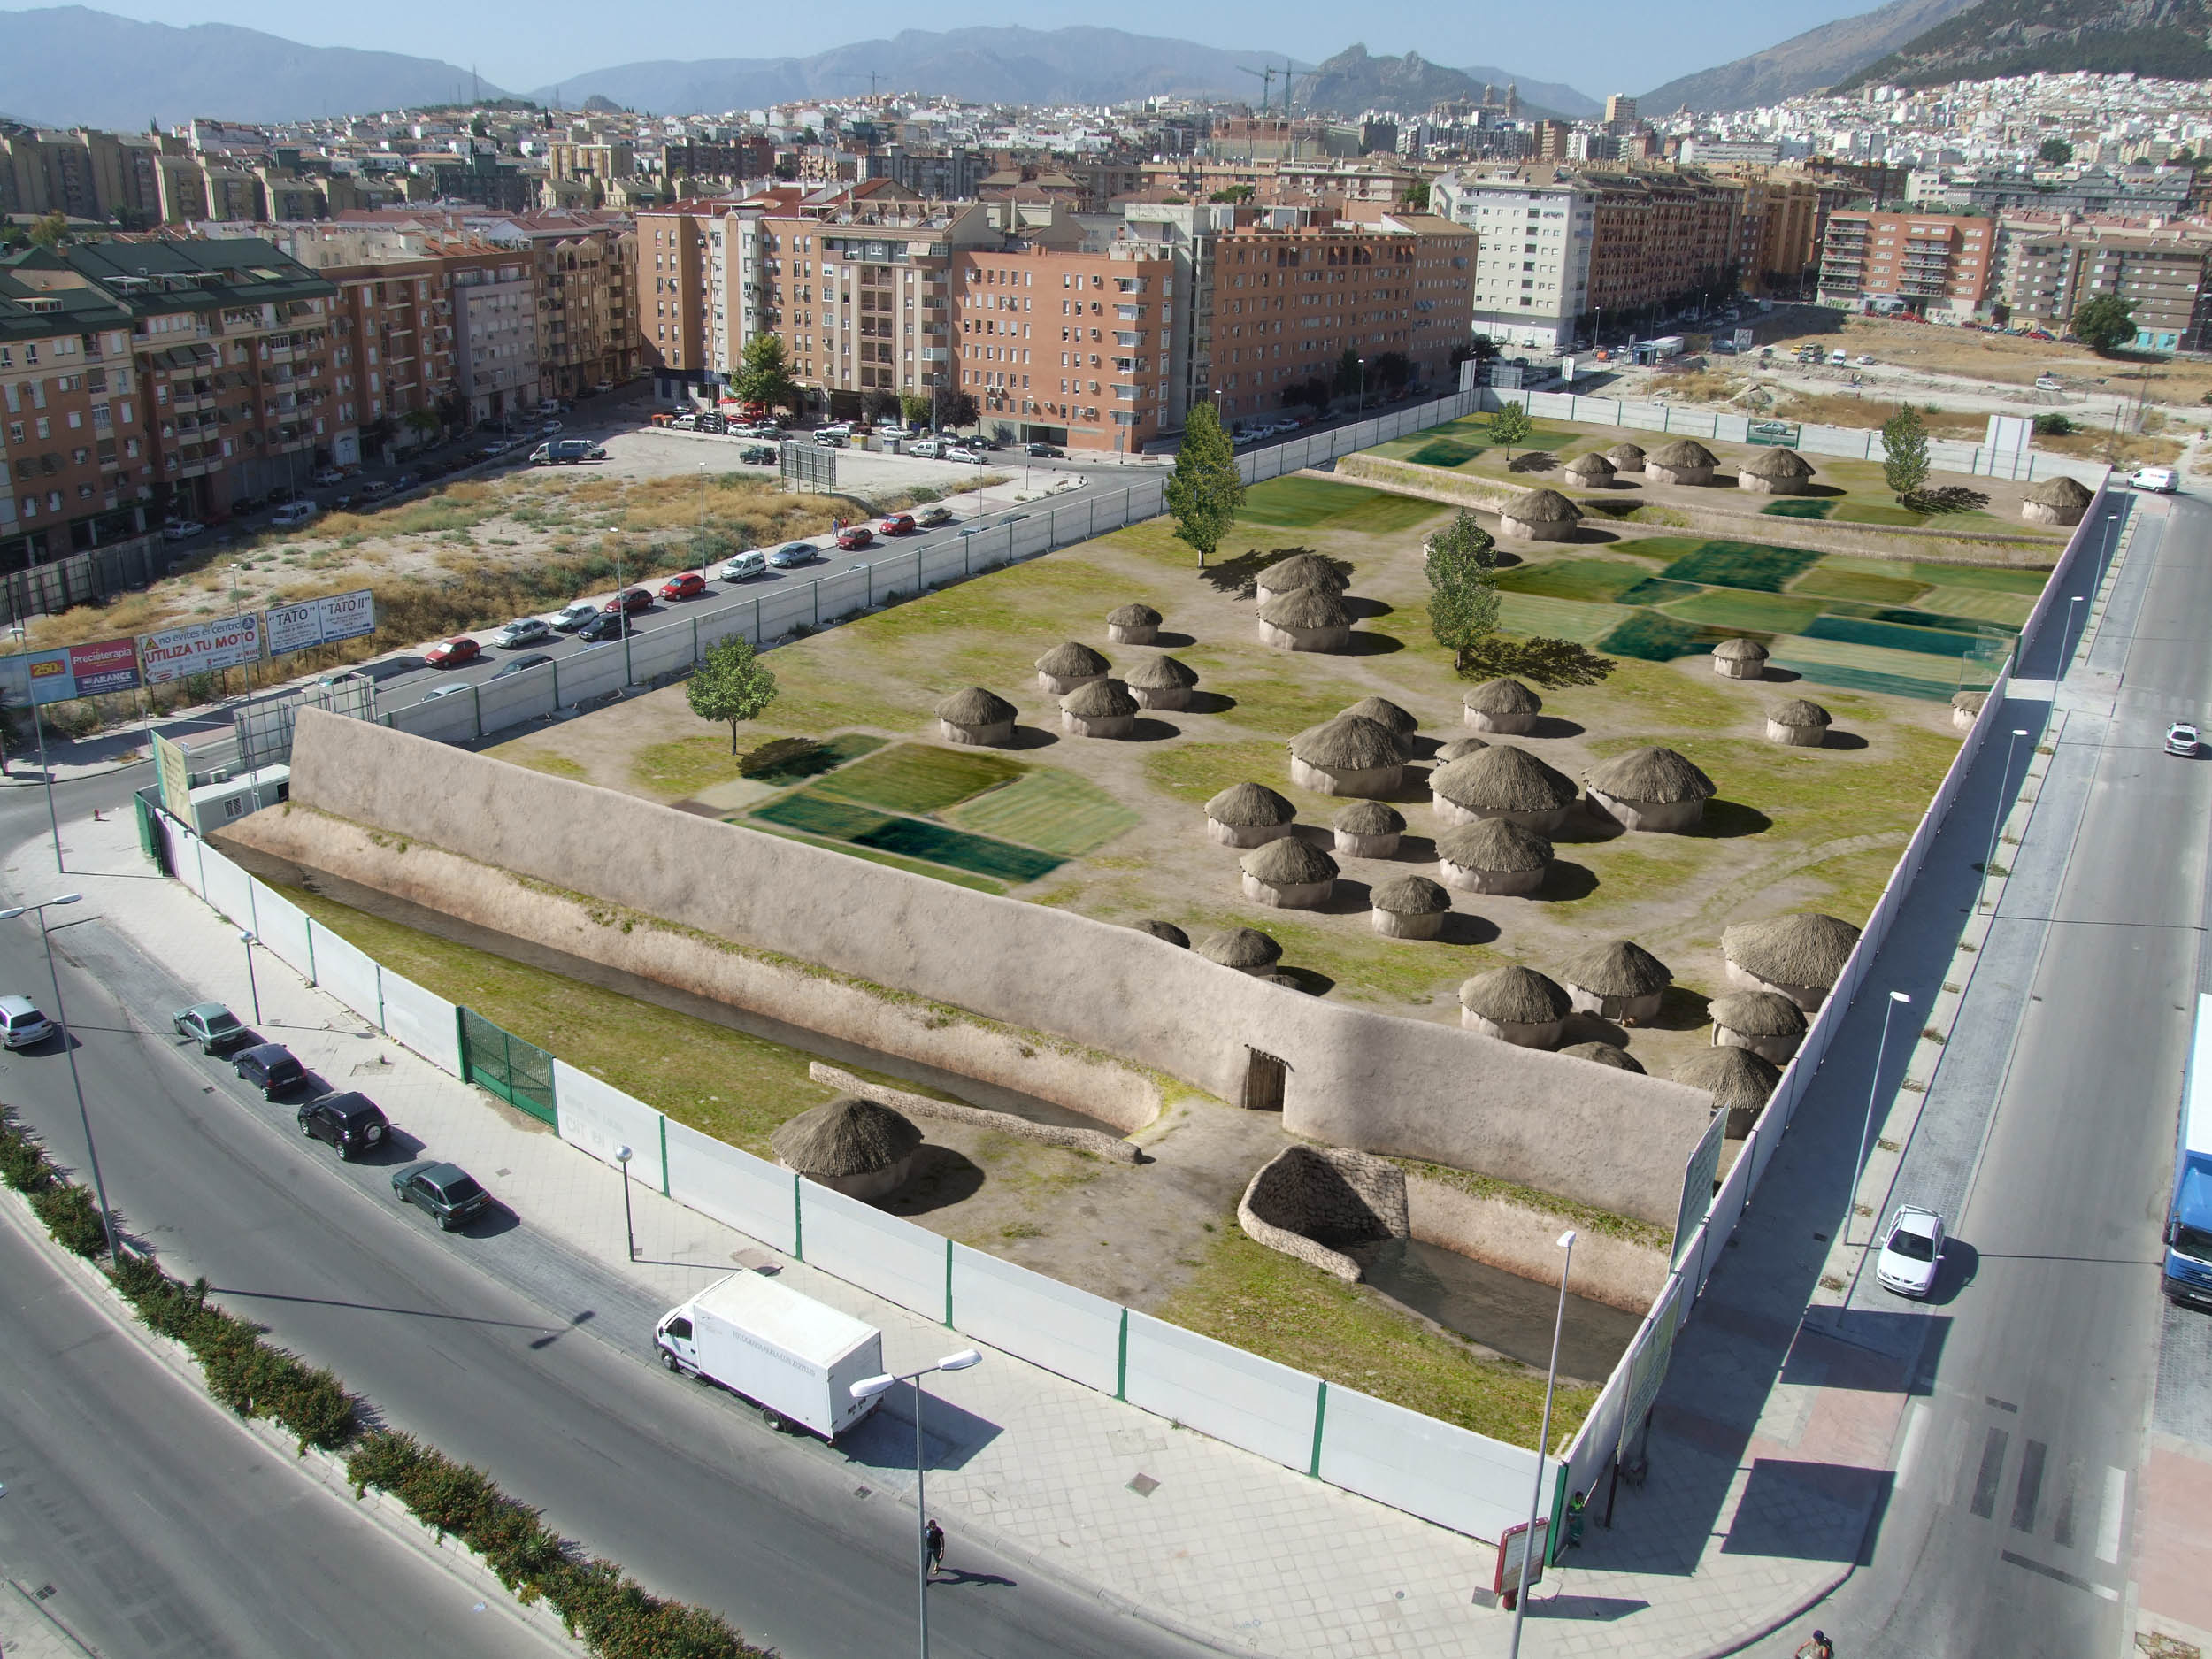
(1050, 809)
(1743, 564)
(919, 779)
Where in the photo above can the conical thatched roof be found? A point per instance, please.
(1503, 779)
(1369, 817)
(1410, 895)
(1306, 607)
(1777, 464)
(1626, 456)
(1738, 1080)
(1541, 506)
(1167, 931)
(1514, 997)
(1288, 862)
(1970, 700)
(845, 1136)
(2060, 491)
(1649, 776)
(1133, 617)
(1492, 844)
(1617, 967)
(974, 707)
(1459, 748)
(1072, 661)
(1605, 1053)
(1683, 452)
(1347, 743)
(1304, 570)
(1502, 696)
(1740, 647)
(1797, 711)
(1758, 1014)
(1249, 806)
(1161, 673)
(1099, 699)
(1240, 948)
(1387, 714)
(1591, 465)
(1802, 948)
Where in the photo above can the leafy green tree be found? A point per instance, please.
(951, 409)
(764, 375)
(1416, 196)
(914, 409)
(1461, 569)
(1905, 452)
(878, 403)
(731, 683)
(1204, 492)
(2106, 323)
(50, 231)
(1510, 425)
(1548, 662)
(1350, 376)
(1393, 368)
(2054, 152)
(1235, 194)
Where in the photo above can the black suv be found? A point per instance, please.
(353, 1123)
(270, 1067)
(447, 1191)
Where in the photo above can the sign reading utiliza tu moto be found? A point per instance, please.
(202, 649)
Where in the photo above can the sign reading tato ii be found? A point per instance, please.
(322, 621)
(202, 648)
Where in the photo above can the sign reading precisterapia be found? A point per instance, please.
(73, 670)
(322, 621)
(202, 648)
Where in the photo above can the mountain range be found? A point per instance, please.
(2019, 38)
(1819, 57)
(1356, 80)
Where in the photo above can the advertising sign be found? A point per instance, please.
(73, 670)
(322, 621)
(1520, 1549)
(104, 665)
(173, 770)
(202, 648)
(1697, 1185)
(1648, 1367)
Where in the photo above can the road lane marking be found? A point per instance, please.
(2110, 1516)
(2102, 1591)
(1984, 1503)
(1916, 1432)
(2030, 1487)
(2063, 1528)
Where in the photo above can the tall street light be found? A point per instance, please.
(69, 1047)
(622, 1155)
(1873, 1092)
(245, 938)
(1997, 818)
(47, 772)
(868, 1388)
(1543, 1444)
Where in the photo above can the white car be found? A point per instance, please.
(741, 567)
(1911, 1251)
(324, 476)
(2160, 479)
(961, 452)
(2181, 739)
(293, 514)
(2049, 383)
(572, 615)
(926, 448)
(183, 529)
(521, 631)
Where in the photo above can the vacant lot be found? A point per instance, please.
(2009, 359)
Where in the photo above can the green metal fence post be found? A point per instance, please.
(1320, 1414)
(460, 1034)
(663, 1117)
(381, 1025)
(948, 1324)
(798, 1222)
(313, 977)
(1121, 1362)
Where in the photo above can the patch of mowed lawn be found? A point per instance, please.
(1198, 771)
(1307, 503)
(914, 838)
(1757, 612)
(1559, 619)
(1933, 642)
(683, 766)
(1748, 565)
(1827, 581)
(1592, 580)
(891, 861)
(1989, 578)
(1050, 809)
(920, 779)
(1655, 637)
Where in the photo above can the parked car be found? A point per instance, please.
(21, 1023)
(853, 537)
(760, 455)
(453, 652)
(448, 1193)
(2181, 739)
(931, 517)
(628, 602)
(183, 529)
(375, 489)
(353, 1123)
(835, 429)
(1044, 451)
(521, 665)
(683, 423)
(605, 625)
(961, 452)
(1865, 360)
(1838, 359)
(214, 1027)
(522, 631)
(453, 690)
(324, 476)
(1911, 1251)
(600, 388)
(2162, 480)
(2049, 383)
(742, 567)
(271, 1068)
(690, 585)
(926, 448)
(829, 440)
(573, 616)
(792, 553)
(896, 523)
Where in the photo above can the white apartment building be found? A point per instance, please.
(495, 338)
(1533, 231)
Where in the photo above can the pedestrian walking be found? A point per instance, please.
(934, 1538)
(1819, 1647)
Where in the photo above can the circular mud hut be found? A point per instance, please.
(1649, 788)
(1161, 682)
(1396, 721)
(1459, 748)
(1739, 1081)
(1966, 708)
(1132, 625)
(1605, 1053)
(1591, 470)
(1801, 723)
(1247, 949)
(975, 716)
(1799, 955)
(1368, 829)
(1290, 874)
(856, 1146)
(1502, 782)
(1626, 457)
(1492, 855)
(1409, 907)
(1739, 657)
(1685, 461)
(1247, 815)
(1540, 515)
(1765, 1022)
(1775, 472)
(1618, 980)
(2056, 501)
(1167, 933)
(1065, 666)
(1300, 570)
(1505, 706)
(1517, 1005)
(1349, 755)
(1098, 708)
(1305, 619)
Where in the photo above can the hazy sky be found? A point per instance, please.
(1599, 46)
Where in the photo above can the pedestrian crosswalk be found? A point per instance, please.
(2053, 1514)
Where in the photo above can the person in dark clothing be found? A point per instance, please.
(934, 1538)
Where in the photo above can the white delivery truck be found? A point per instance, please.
(787, 1354)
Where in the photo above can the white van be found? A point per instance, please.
(926, 448)
(2162, 479)
(741, 567)
(293, 514)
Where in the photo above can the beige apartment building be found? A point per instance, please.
(2047, 266)
(1932, 263)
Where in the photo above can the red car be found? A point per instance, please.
(690, 585)
(628, 602)
(853, 536)
(896, 523)
(453, 652)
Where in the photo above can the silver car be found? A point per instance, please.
(1911, 1251)
(21, 1025)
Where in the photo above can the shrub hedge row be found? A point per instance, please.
(599, 1604)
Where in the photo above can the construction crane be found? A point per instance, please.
(1266, 77)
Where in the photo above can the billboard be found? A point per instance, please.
(201, 648)
(172, 767)
(70, 671)
(322, 621)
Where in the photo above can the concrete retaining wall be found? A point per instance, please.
(915, 1105)
(1618, 1273)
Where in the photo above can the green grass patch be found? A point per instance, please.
(1444, 452)
(1800, 507)
(1748, 564)
(817, 815)
(2010, 611)
(1754, 613)
(781, 763)
(920, 779)
(683, 766)
(1598, 581)
(1657, 591)
(1559, 619)
(1055, 810)
(1878, 512)
(1655, 637)
(909, 838)
(1988, 578)
(1911, 617)
(1828, 582)
(1306, 502)
(1892, 636)
(543, 760)
(1848, 679)
(912, 866)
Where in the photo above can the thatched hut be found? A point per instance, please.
(1517, 1005)
(1166, 932)
(1649, 788)
(2060, 500)
(856, 1146)
(1368, 829)
(1799, 955)
(1739, 657)
(1605, 1053)
(1492, 855)
(1739, 1081)
(1247, 949)
(1247, 815)
(1966, 708)
(1591, 470)
(1290, 874)
(1540, 515)
(1396, 721)
(975, 716)
(1765, 1022)
(1799, 723)
(1098, 708)
(1617, 980)
(1459, 748)
(1065, 666)
(1132, 625)
(1685, 461)
(1349, 755)
(1409, 907)
(1502, 782)
(1161, 682)
(1626, 457)
(1501, 705)
(1305, 619)
(1775, 472)
(1299, 570)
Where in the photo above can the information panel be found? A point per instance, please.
(322, 621)
(202, 648)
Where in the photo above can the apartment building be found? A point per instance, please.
(2048, 265)
(1660, 239)
(495, 336)
(1779, 231)
(672, 295)
(1932, 263)
(1533, 228)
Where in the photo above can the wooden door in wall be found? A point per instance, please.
(1264, 1076)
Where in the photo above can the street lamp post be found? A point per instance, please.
(2073, 639)
(622, 1155)
(253, 985)
(69, 1047)
(1873, 1091)
(703, 513)
(1363, 386)
(1543, 1443)
(1997, 818)
(868, 1388)
(53, 818)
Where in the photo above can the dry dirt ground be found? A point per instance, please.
(2009, 359)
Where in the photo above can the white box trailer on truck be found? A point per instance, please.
(787, 1354)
